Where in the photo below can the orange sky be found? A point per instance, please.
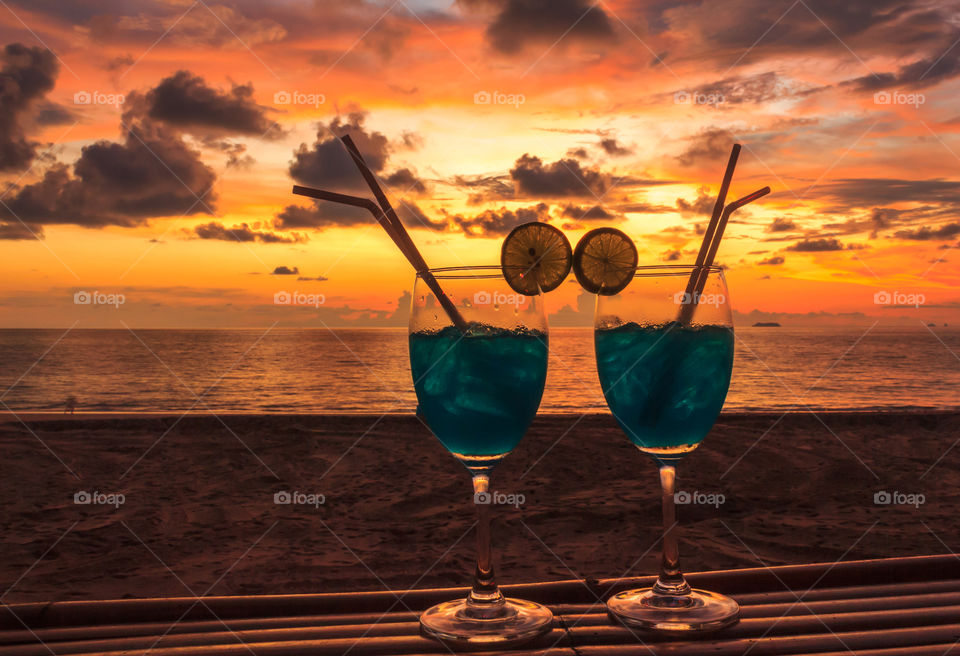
(642, 99)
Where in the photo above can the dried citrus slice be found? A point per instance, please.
(535, 258)
(605, 261)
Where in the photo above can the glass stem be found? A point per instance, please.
(670, 581)
(485, 599)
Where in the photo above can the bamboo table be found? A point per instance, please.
(891, 607)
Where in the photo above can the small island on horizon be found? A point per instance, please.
(766, 324)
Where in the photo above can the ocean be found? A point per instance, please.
(367, 370)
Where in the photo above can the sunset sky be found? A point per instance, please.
(149, 149)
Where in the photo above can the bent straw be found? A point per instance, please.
(686, 310)
(411, 251)
(393, 228)
(690, 302)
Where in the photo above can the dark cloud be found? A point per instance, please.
(775, 260)
(285, 271)
(671, 255)
(816, 245)
(710, 145)
(611, 147)
(151, 173)
(565, 177)
(404, 181)
(331, 215)
(186, 101)
(926, 233)
(592, 213)
(522, 23)
(852, 193)
(328, 164)
(309, 279)
(702, 204)
(485, 187)
(499, 222)
(27, 75)
(781, 224)
(244, 233)
(745, 31)
(51, 113)
(579, 153)
(14, 230)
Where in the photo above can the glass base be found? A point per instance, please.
(697, 612)
(513, 623)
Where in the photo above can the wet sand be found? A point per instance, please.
(198, 514)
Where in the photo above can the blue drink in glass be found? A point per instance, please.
(665, 384)
(478, 391)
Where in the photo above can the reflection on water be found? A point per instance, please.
(367, 370)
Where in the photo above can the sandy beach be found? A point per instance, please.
(391, 508)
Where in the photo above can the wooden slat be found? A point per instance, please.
(913, 607)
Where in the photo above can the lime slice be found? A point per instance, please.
(605, 261)
(535, 258)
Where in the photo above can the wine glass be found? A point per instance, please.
(665, 378)
(479, 387)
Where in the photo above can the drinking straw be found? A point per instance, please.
(686, 310)
(388, 219)
(690, 302)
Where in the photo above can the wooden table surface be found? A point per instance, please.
(890, 607)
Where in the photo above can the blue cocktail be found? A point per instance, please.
(479, 390)
(479, 386)
(664, 368)
(665, 384)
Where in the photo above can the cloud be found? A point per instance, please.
(309, 279)
(523, 23)
(332, 215)
(499, 222)
(781, 224)
(611, 147)
(151, 173)
(564, 177)
(186, 101)
(816, 245)
(27, 75)
(926, 233)
(327, 163)
(285, 271)
(671, 255)
(736, 90)
(775, 260)
(14, 230)
(710, 145)
(702, 204)
(592, 213)
(850, 193)
(405, 181)
(243, 233)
